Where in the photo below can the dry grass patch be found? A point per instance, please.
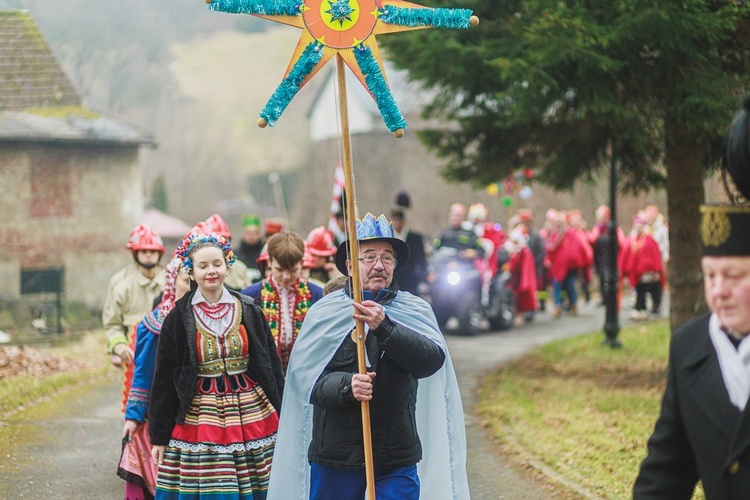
(28, 374)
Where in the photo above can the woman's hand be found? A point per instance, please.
(129, 429)
(157, 453)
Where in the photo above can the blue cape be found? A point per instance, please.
(440, 417)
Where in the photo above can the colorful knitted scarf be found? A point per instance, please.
(299, 303)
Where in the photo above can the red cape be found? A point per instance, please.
(639, 255)
(523, 269)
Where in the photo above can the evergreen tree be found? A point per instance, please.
(560, 85)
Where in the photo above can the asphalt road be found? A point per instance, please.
(68, 446)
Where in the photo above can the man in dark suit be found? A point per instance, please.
(703, 431)
(414, 272)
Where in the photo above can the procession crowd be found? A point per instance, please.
(213, 348)
(247, 306)
(564, 255)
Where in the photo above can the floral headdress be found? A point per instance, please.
(192, 241)
(168, 296)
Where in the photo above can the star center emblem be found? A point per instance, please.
(341, 10)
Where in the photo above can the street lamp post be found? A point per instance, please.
(611, 321)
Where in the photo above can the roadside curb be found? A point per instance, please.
(548, 472)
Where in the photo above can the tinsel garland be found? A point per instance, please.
(259, 7)
(439, 18)
(377, 85)
(290, 85)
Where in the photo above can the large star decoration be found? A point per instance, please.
(348, 28)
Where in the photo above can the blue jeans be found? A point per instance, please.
(569, 285)
(337, 483)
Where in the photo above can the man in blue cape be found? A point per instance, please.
(418, 433)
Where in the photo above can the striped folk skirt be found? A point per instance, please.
(223, 450)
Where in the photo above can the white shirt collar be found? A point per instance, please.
(226, 297)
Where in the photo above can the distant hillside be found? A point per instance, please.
(207, 128)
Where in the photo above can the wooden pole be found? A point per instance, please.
(351, 228)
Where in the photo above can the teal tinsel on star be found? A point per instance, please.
(259, 7)
(290, 85)
(379, 89)
(439, 18)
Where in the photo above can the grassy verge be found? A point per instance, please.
(580, 409)
(79, 362)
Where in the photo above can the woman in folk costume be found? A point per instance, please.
(285, 296)
(437, 430)
(136, 464)
(217, 387)
(641, 263)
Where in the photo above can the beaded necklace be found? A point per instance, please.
(215, 311)
(299, 303)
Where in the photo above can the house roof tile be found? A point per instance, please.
(30, 75)
(38, 102)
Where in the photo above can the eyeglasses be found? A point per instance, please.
(386, 260)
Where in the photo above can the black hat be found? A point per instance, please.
(403, 199)
(725, 230)
(736, 157)
(372, 228)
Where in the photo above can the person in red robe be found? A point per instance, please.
(522, 269)
(490, 236)
(585, 254)
(641, 263)
(563, 250)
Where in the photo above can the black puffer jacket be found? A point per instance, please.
(399, 357)
(176, 373)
